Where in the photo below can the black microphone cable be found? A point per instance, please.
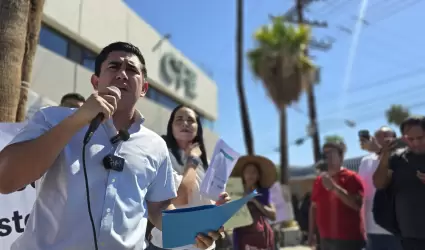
(122, 135)
(88, 195)
(90, 131)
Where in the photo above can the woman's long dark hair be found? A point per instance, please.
(172, 143)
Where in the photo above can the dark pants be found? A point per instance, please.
(383, 242)
(413, 244)
(331, 244)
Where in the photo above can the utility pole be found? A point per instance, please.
(297, 15)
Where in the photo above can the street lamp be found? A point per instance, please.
(160, 41)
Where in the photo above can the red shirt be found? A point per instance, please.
(334, 219)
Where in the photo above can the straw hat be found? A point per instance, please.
(267, 168)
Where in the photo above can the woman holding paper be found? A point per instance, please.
(189, 159)
(257, 173)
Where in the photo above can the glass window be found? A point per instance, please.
(89, 59)
(167, 101)
(53, 41)
(151, 93)
(75, 53)
(161, 98)
(66, 47)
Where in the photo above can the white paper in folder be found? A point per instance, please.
(222, 162)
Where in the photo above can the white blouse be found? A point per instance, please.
(195, 199)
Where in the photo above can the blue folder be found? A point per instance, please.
(181, 226)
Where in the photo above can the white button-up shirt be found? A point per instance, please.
(367, 168)
(60, 219)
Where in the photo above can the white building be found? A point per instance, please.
(73, 32)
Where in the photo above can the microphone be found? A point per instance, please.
(95, 123)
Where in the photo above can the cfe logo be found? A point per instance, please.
(176, 73)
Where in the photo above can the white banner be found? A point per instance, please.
(15, 207)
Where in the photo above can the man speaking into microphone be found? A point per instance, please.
(97, 192)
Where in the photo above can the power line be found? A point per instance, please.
(365, 118)
(381, 114)
(403, 63)
(397, 77)
(399, 9)
(335, 7)
(392, 96)
(385, 81)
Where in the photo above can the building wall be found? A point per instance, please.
(301, 187)
(96, 23)
(57, 70)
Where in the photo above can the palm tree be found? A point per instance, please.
(396, 114)
(33, 32)
(246, 126)
(21, 20)
(14, 20)
(279, 62)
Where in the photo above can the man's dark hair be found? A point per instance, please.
(412, 121)
(119, 46)
(339, 146)
(74, 96)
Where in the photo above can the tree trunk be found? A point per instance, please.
(283, 148)
(33, 31)
(249, 142)
(13, 29)
(311, 98)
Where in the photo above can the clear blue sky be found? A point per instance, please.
(388, 66)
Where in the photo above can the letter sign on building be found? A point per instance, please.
(176, 73)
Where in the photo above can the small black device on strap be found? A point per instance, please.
(111, 161)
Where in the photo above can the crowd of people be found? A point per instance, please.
(103, 206)
(376, 208)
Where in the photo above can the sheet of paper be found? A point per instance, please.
(180, 226)
(234, 187)
(222, 162)
(284, 211)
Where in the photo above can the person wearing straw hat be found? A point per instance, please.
(257, 173)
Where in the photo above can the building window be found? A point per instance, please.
(161, 98)
(66, 47)
(53, 41)
(74, 53)
(88, 59)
